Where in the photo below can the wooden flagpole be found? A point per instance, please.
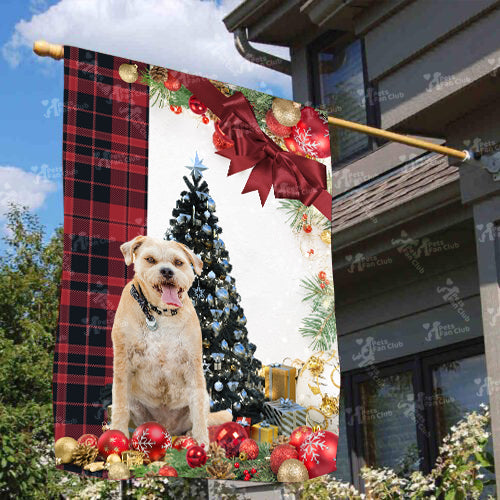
(45, 49)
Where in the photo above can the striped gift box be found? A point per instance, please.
(286, 414)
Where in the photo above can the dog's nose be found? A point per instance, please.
(166, 272)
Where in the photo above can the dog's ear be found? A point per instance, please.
(128, 249)
(195, 260)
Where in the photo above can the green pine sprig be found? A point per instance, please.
(295, 211)
(160, 96)
(319, 325)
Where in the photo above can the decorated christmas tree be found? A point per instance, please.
(231, 370)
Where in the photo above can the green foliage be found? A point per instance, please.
(160, 96)
(457, 474)
(319, 325)
(295, 211)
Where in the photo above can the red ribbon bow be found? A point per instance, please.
(291, 176)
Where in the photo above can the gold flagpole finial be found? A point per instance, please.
(46, 49)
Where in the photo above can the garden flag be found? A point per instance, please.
(196, 329)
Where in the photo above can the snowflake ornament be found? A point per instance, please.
(313, 445)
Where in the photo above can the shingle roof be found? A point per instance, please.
(401, 185)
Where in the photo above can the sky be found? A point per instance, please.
(187, 35)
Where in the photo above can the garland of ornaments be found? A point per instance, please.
(301, 131)
(305, 454)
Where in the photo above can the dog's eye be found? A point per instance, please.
(178, 263)
(150, 260)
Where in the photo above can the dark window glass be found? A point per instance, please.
(388, 422)
(343, 472)
(459, 387)
(342, 90)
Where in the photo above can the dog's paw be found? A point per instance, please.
(202, 439)
(121, 428)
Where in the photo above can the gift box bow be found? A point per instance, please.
(244, 422)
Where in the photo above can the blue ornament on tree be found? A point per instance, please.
(222, 294)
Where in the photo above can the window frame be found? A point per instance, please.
(338, 39)
(420, 364)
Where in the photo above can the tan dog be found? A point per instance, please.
(158, 373)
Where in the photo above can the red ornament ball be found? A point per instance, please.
(187, 442)
(168, 471)
(196, 106)
(298, 436)
(253, 471)
(112, 441)
(311, 134)
(275, 126)
(246, 478)
(171, 83)
(176, 109)
(322, 275)
(250, 447)
(177, 442)
(307, 228)
(281, 453)
(89, 440)
(221, 141)
(322, 285)
(292, 146)
(196, 456)
(237, 465)
(230, 436)
(319, 453)
(205, 119)
(152, 439)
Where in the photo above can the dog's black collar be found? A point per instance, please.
(147, 307)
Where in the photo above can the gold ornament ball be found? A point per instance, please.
(292, 471)
(118, 470)
(128, 72)
(64, 449)
(113, 459)
(326, 237)
(286, 112)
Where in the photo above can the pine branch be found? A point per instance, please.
(295, 210)
(161, 96)
(320, 327)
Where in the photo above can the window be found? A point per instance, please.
(339, 85)
(397, 413)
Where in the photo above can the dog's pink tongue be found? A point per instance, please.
(170, 296)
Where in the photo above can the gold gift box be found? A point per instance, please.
(264, 434)
(280, 381)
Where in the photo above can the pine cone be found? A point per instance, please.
(158, 74)
(278, 441)
(220, 469)
(84, 455)
(222, 87)
(215, 451)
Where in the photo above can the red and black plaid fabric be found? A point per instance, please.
(105, 194)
